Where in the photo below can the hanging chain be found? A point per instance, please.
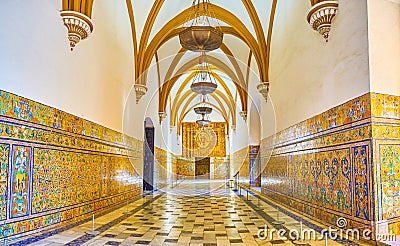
(201, 13)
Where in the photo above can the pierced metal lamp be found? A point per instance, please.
(204, 111)
(203, 83)
(203, 122)
(201, 35)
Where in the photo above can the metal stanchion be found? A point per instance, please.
(326, 239)
(301, 231)
(127, 210)
(247, 195)
(93, 232)
(5, 242)
(277, 221)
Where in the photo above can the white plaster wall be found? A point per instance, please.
(309, 76)
(384, 45)
(92, 82)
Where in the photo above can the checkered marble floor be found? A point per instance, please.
(220, 217)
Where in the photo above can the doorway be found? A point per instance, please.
(202, 168)
(148, 155)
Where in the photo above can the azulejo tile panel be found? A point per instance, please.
(241, 161)
(4, 154)
(246, 159)
(386, 106)
(390, 180)
(322, 179)
(362, 182)
(254, 162)
(185, 166)
(58, 168)
(322, 167)
(386, 138)
(20, 108)
(20, 181)
(353, 111)
(220, 168)
(160, 164)
(64, 178)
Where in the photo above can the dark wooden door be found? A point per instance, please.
(148, 170)
(202, 167)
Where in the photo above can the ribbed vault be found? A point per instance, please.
(156, 28)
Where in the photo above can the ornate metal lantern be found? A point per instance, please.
(203, 110)
(203, 88)
(200, 35)
(203, 83)
(201, 38)
(203, 122)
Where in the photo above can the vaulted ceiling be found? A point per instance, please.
(155, 25)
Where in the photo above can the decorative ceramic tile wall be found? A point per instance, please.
(386, 142)
(4, 154)
(344, 162)
(160, 167)
(248, 162)
(56, 168)
(322, 167)
(240, 159)
(185, 166)
(220, 168)
(254, 165)
(20, 180)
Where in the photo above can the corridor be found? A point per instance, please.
(216, 215)
(200, 122)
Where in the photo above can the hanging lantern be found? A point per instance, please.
(200, 35)
(203, 110)
(203, 122)
(203, 88)
(203, 83)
